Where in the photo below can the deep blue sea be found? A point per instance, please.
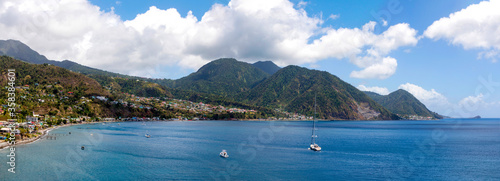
(451, 149)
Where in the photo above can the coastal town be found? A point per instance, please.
(34, 124)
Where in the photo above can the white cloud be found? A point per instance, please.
(467, 107)
(434, 100)
(472, 103)
(474, 27)
(302, 4)
(378, 90)
(477, 105)
(380, 70)
(247, 30)
(333, 16)
(384, 22)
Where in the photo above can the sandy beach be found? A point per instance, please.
(31, 140)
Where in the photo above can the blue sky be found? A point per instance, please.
(374, 45)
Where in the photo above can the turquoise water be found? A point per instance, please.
(352, 150)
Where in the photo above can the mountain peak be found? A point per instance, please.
(403, 103)
(225, 76)
(267, 66)
(224, 60)
(21, 51)
(294, 88)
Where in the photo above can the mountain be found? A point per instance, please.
(123, 83)
(403, 103)
(51, 90)
(21, 51)
(267, 66)
(294, 89)
(48, 89)
(18, 50)
(30, 74)
(225, 77)
(132, 86)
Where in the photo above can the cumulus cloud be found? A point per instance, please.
(378, 90)
(472, 103)
(477, 105)
(431, 98)
(467, 107)
(380, 70)
(247, 30)
(474, 27)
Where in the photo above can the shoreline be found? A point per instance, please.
(5, 145)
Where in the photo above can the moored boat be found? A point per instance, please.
(313, 145)
(223, 154)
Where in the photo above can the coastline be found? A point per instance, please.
(46, 131)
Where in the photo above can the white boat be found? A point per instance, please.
(147, 135)
(223, 154)
(313, 145)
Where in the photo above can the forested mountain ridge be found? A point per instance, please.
(294, 89)
(261, 85)
(404, 104)
(225, 77)
(267, 66)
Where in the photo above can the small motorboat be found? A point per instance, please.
(147, 135)
(223, 154)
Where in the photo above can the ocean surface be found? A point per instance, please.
(451, 149)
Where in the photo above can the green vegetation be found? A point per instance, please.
(404, 104)
(58, 93)
(225, 77)
(293, 88)
(267, 66)
(20, 51)
(264, 87)
(48, 89)
(132, 86)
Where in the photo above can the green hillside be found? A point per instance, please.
(267, 66)
(48, 89)
(225, 77)
(403, 103)
(20, 51)
(31, 74)
(293, 88)
(132, 86)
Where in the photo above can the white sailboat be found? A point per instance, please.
(313, 145)
(223, 154)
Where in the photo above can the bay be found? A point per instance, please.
(450, 149)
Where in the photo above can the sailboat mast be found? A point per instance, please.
(314, 123)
